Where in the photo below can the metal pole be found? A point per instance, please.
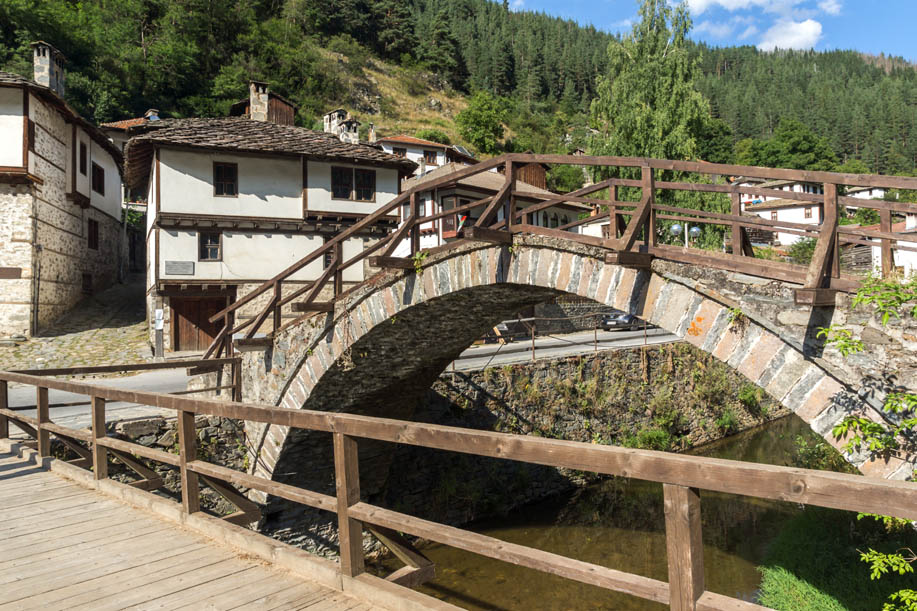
(644, 332)
(595, 335)
(533, 341)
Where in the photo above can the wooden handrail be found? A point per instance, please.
(681, 475)
(643, 216)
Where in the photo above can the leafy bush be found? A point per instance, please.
(728, 421)
(346, 45)
(750, 396)
(802, 250)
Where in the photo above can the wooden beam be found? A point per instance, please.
(684, 545)
(815, 297)
(397, 236)
(826, 246)
(492, 207)
(4, 404)
(315, 306)
(135, 449)
(484, 234)
(44, 436)
(887, 256)
(149, 479)
(392, 262)
(177, 364)
(187, 445)
(248, 511)
(347, 484)
(629, 258)
(412, 577)
(641, 214)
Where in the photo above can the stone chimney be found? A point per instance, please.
(151, 115)
(372, 134)
(257, 101)
(48, 67)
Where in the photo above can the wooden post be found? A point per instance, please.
(823, 258)
(888, 261)
(736, 228)
(339, 273)
(834, 264)
(684, 545)
(641, 214)
(187, 445)
(613, 232)
(99, 453)
(415, 230)
(237, 380)
(278, 295)
(347, 481)
(44, 436)
(4, 404)
(510, 210)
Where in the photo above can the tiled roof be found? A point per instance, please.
(240, 135)
(405, 139)
(125, 123)
(10, 78)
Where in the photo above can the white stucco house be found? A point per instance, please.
(60, 200)
(426, 154)
(905, 260)
(234, 201)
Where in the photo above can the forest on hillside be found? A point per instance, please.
(194, 58)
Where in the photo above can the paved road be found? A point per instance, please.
(557, 346)
(170, 380)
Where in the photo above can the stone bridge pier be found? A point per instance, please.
(388, 340)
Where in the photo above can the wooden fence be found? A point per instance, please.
(681, 476)
(633, 238)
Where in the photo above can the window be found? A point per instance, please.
(449, 222)
(544, 219)
(773, 215)
(98, 178)
(211, 246)
(226, 179)
(809, 212)
(606, 231)
(554, 220)
(564, 220)
(429, 157)
(92, 234)
(329, 254)
(83, 158)
(353, 184)
(399, 152)
(87, 283)
(364, 185)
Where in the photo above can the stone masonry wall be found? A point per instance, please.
(16, 233)
(568, 315)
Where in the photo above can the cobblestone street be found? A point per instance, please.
(106, 328)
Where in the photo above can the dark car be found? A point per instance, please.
(618, 320)
(510, 330)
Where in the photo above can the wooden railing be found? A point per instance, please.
(681, 477)
(634, 230)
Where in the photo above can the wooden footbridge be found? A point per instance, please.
(73, 538)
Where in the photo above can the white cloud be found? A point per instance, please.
(748, 32)
(714, 29)
(623, 24)
(787, 34)
(516, 5)
(832, 7)
(782, 7)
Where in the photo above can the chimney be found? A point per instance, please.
(372, 134)
(257, 101)
(48, 67)
(151, 115)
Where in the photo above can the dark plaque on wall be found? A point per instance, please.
(180, 268)
(10, 273)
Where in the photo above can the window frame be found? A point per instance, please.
(435, 154)
(773, 215)
(235, 182)
(92, 234)
(352, 171)
(97, 171)
(200, 246)
(400, 151)
(84, 158)
(808, 212)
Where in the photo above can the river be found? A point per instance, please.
(619, 523)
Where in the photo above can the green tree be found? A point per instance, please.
(481, 122)
(434, 135)
(394, 28)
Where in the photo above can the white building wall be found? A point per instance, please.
(319, 192)
(11, 127)
(110, 202)
(268, 186)
(792, 215)
(415, 154)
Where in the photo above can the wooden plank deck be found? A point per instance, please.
(65, 547)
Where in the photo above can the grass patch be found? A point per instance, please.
(814, 564)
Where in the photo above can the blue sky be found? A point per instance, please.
(872, 26)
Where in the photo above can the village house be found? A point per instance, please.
(60, 200)
(426, 154)
(473, 188)
(790, 210)
(234, 201)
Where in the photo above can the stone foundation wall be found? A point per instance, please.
(568, 315)
(16, 237)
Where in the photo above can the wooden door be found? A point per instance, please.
(191, 327)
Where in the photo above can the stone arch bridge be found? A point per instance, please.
(386, 342)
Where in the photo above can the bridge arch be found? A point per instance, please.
(392, 336)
